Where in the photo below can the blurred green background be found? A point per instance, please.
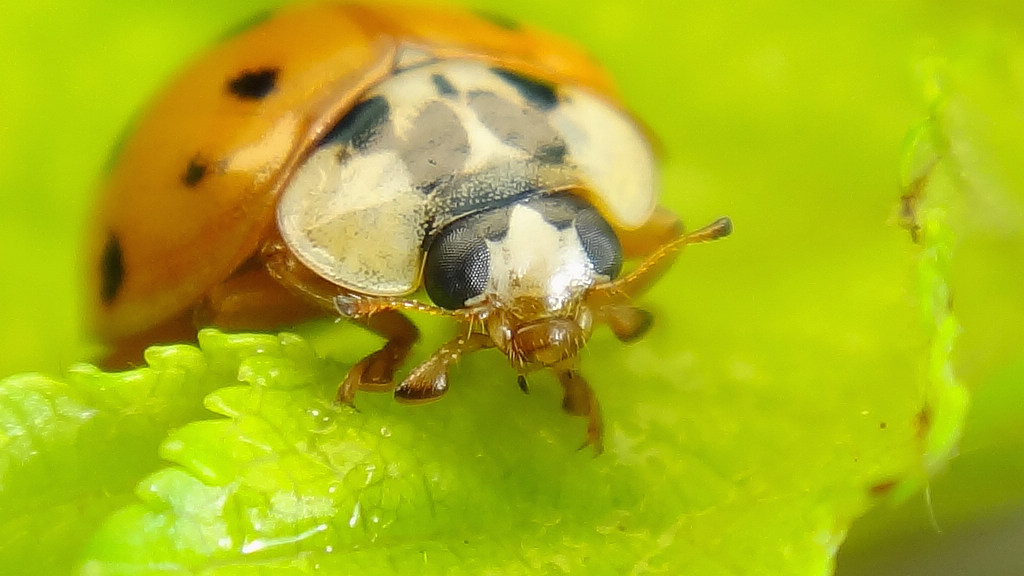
(788, 116)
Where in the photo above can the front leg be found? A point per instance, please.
(376, 372)
(429, 380)
(579, 400)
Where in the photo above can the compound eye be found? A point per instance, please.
(457, 266)
(600, 242)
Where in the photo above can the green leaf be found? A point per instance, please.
(71, 451)
(797, 375)
(966, 156)
(488, 480)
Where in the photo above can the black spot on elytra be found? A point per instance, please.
(444, 87)
(362, 123)
(111, 270)
(537, 92)
(194, 172)
(254, 84)
(499, 20)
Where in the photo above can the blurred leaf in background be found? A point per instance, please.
(796, 375)
(973, 81)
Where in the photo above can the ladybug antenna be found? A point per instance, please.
(634, 283)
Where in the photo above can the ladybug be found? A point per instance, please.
(363, 160)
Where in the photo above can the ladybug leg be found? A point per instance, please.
(628, 323)
(429, 380)
(289, 272)
(252, 299)
(376, 372)
(580, 400)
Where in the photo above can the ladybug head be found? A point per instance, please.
(525, 268)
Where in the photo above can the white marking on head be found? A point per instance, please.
(537, 260)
